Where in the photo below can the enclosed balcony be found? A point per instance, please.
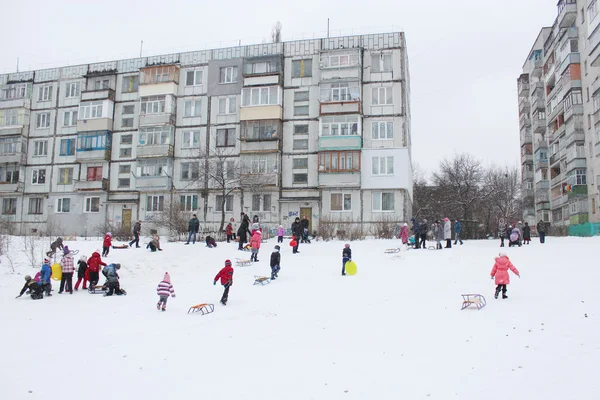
(341, 98)
(261, 136)
(594, 47)
(567, 13)
(13, 150)
(340, 64)
(11, 187)
(523, 85)
(154, 174)
(14, 121)
(576, 191)
(159, 80)
(102, 94)
(93, 146)
(91, 185)
(153, 182)
(539, 123)
(524, 121)
(259, 170)
(155, 141)
(523, 105)
(339, 168)
(157, 110)
(261, 71)
(261, 103)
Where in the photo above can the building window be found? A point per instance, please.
(9, 206)
(126, 139)
(72, 90)
(300, 163)
(35, 205)
(189, 202)
(258, 167)
(260, 96)
(382, 96)
(219, 203)
(124, 183)
(226, 137)
(155, 203)
(383, 165)
(592, 10)
(91, 110)
(156, 167)
(16, 91)
(63, 205)
(256, 202)
(261, 130)
(45, 93)
(155, 135)
(124, 169)
(339, 60)
(91, 141)
(338, 92)
(341, 202)
(127, 123)
(580, 177)
(11, 117)
(12, 175)
(301, 129)
(191, 108)
(190, 140)
(159, 74)
(382, 130)
(193, 78)
(300, 110)
(339, 161)
(43, 120)
(342, 125)
(152, 105)
(40, 148)
(302, 68)
(130, 84)
(189, 171)
(301, 95)
(225, 170)
(92, 204)
(300, 144)
(94, 173)
(129, 109)
(383, 201)
(100, 84)
(266, 202)
(125, 152)
(228, 75)
(65, 176)
(381, 62)
(9, 145)
(227, 105)
(263, 67)
(70, 118)
(573, 208)
(300, 178)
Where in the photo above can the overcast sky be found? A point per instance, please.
(465, 55)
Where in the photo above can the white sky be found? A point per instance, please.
(464, 55)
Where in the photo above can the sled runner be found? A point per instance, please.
(392, 251)
(98, 289)
(476, 300)
(261, 280)
(242, 263)
(431, 248)
(203, 308)
(123, 246)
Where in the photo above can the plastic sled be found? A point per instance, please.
(242, 263)
(56, 272)
(261, 280)
(392, 251)
(351, 268)
(473, 299)
(203, 309)
(123, 246)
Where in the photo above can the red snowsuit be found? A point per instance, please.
(107, 241)
(226, 275)
(95, 262)
(500, 270)
(229, 229)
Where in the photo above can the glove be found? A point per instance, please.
(215, 283)
(491, 277)
(173, 295)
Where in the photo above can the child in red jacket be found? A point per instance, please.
(107, 243)
(229, 232)
(94, 264)
(500, 272)
(226, 276)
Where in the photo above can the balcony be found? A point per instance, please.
(252, 181)
(541, 163)
(555, 158)
(542, 197)
(342, 142)
(558, 133)
(19, 157)
(558, 179)
(15, 103)
(259, 145)
(339, 179)
(538, 103)
(539, 125)
(527, 176)
(578, 191)
(597, 149)
(8, 187)
(160, 182)
(345, 73)
(523, 85)
(573, 112)
(559, 201)
(523, 105)
(529, 211)
(102, 94)
(537, 67)
(538, 90)
(86, 186)
(261, 112)
(559, 108)
(542, 206)
(594, 46)
(528, 193)
(524, 121)
(567, 13)
(337, 108)
(155, 150)
(576, 163)
(542, 186)
(92, 155)
(157, 119)
(526, 158)
(526, 138)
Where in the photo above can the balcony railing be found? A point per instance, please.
(100, 184)
(523, 104)
(160, 182)
(526, 158)
(9, 187)
(556, 180)
(594, 50)
(567, 13)
(526, 138)
(542, 196)
(539, 125)
(157, 150)
(103, 94)
(559, 201)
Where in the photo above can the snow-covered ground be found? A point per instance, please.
(393, 331)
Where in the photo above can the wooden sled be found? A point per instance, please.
(242, 263)
(203, 309)
(123, 246)
(476, 300)
(261, 280)
(392, 251)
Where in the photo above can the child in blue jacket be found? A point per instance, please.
(45, 274)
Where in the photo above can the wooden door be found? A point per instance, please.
(126, 218)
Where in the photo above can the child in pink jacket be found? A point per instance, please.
(404, 234)
(255, 245)
(500, 272)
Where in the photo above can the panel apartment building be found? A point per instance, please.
(316, 127)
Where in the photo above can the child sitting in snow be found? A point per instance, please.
(106, 244)
(275, 262)
(164, 290)
(500, 272)
(255, 245)
(210, 242)
(154, 244)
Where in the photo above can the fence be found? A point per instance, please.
(584, 230)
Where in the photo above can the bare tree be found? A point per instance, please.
(504, 200)
(276, 32)
(174, 217)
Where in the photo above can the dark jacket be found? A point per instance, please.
(297, 229)
(194, 225)
(527, 232)
(541, 227)
(347, 253)
(81, 267)
(304, 223)
(243, 230)
(275, 259)
(423, 228)
(507, 232)
(57, 244)
(33, 286)
(415, 227)
(457, 227)
(137, 227)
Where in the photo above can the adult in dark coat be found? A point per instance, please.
(243, 231)
(526, 233)
(137, 228)
(542, 228)
(193, 228)
(415, 229)
(423, 228)
(304, 223)
(297, 232)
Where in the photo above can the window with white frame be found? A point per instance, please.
(94, 174)
(341, 202)
(70, 118)
(573, 208)
(381, 62)
(43, 120)
(266, 202)
(9, 145)
(193, 78)
(592, 10)
(190, 139)
(123, 183)
(302, 95)
(72, 90)
(300, 144)
(40, 148)
(158, 167)
(91, 110)
(339, 126)
(189, 202)
(337, 60)
(226, 137)
(227, 105)
(36, 206)
(263, 129)
(219, 203)
(127, 122)
(301, 99)
(38, 176)
(155, 203)
(302, 68)
(580, 177)
(382, 130)
(300, 110)
(382, 96)
(300, 163)
(301, 129)
(225, 170)
(155, 135)
(45, 93)
(100, 84)
(256, 202)
(130, 84)
(93, 140)
(63, 205)
(261, 67)
(228, 75)
(339, 161)
(9, 206)
(261, 96)
(152, 105)
(301, 178)
(11, 117)
(190, 171)
(129, 109)
(383, 165)
(67, 147)
(159, 74)
(12, 175)
(65, 176)
(15, 91)
(127, 119)
(383, 201)
(342, 91)
(127, 139)
(191, 108)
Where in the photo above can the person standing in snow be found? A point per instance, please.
(404, 234)
(526, 233)
(448, 233)
(500, 273)
(81, 273)
(94, 264)
(297, 231)
(243, 231)
(280, 233)
(229, 232)
(346, 256)
(542, 229)
(416, 232)
(106, 244)
(193, 228)
(68, 268)
(275, 262)
(423, 228)
(45, 274)
(137, 228)
(304, 224)
(255, 245)
(226, 277)
(457, 230)
(439, 234)
(164, 290)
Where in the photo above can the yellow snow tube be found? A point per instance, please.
(351, 268)
(56, 272)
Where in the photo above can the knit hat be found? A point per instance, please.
(27, 278)
(277, 248)
(347, 245)
(109, 234)
(281, 226)
(228, 263)
(405, 224)
(117, 266)
(67, 251)
(46, 261)
(167, 278)
(83, 258)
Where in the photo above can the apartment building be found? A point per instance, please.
(316, 127)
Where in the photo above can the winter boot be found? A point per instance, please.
(158, 305)
(504, 296)
(164, 307)
(497, 293)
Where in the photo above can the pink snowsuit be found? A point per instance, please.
(500, 270)
(280, 231)
(255, 241)
(404, 234)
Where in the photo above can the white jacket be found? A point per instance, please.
(447, 230)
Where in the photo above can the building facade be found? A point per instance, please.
(315, 127)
